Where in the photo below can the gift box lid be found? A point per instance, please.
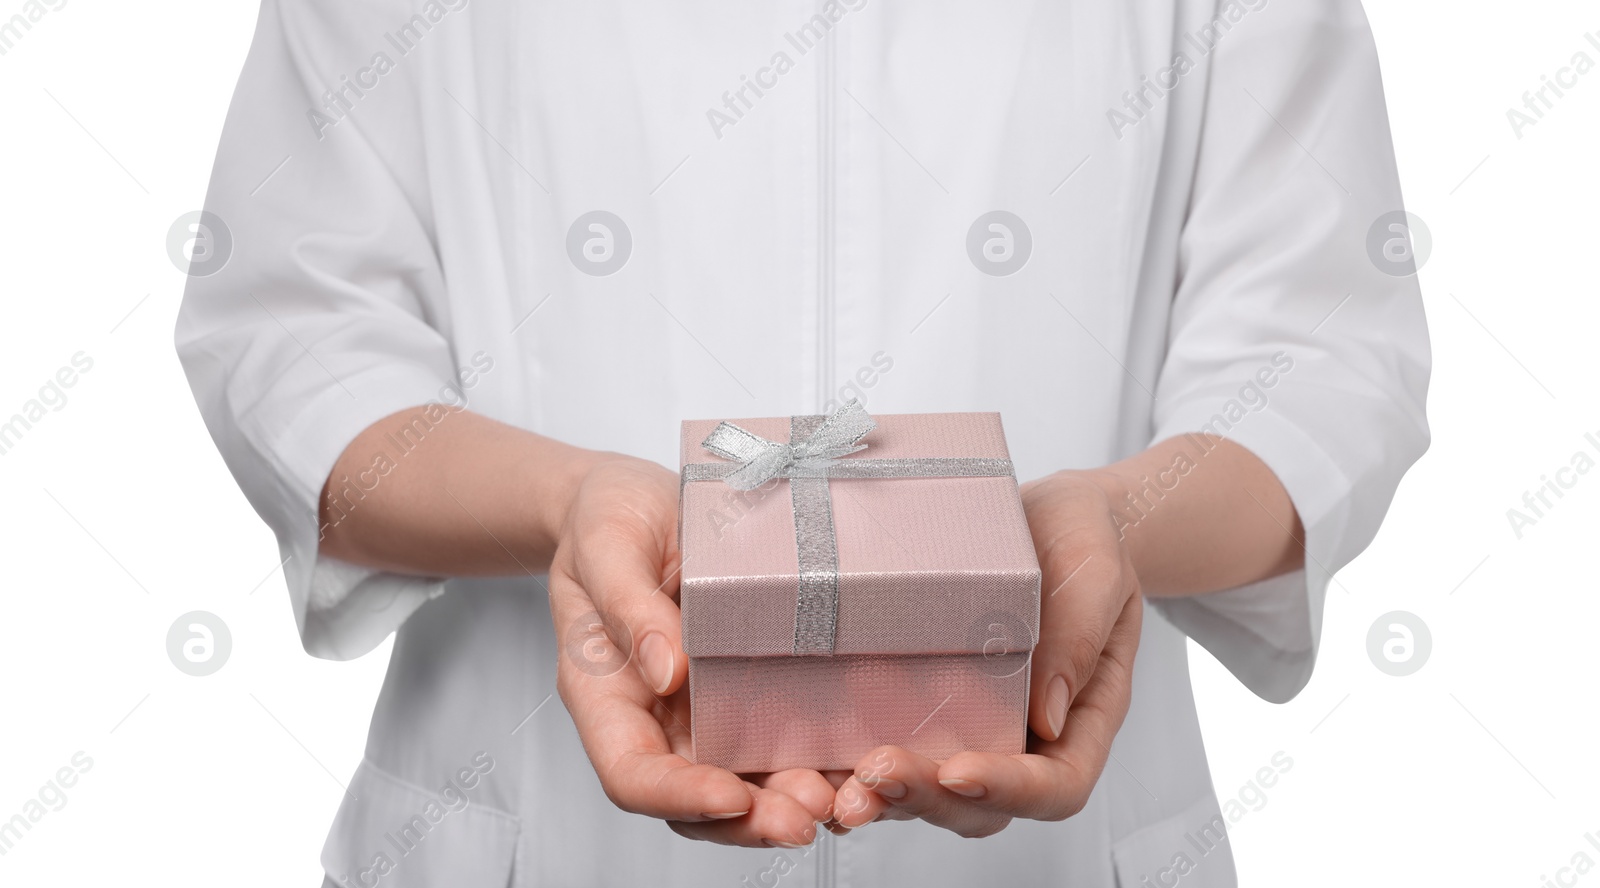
(924, 565)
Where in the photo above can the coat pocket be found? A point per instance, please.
(1190, 847)
(392, 833)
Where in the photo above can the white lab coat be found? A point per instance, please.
(808, 245)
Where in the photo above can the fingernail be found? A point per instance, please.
(1055, 705)
(657, 661)
(889, 789)
(853, 820)
(725, 816)
(963, 787)
(774, 843)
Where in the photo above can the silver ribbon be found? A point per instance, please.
(813, 454)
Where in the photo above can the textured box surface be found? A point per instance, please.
(931, 608)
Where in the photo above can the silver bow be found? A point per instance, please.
(838, 436)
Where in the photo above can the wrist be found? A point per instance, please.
(1102, 484)
(1113, 489)
(557, 476)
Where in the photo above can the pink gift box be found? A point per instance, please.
(889, 596)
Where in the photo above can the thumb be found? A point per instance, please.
(1076, 617)
(633, 586)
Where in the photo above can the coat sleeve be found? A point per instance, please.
(317, 324)
(1286, 336)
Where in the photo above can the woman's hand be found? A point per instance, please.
(1089, 619)
(1191, 515)
(481, 498)
(622, 675)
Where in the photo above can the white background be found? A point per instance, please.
(118, 515)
